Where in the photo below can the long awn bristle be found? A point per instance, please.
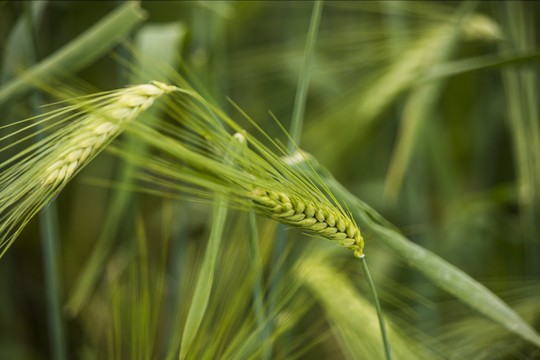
(32, 177)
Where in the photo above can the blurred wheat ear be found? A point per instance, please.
(38, 172)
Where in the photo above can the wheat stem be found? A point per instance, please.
(257, 294)
(303, 80)
(51, 266)
(371, 285)
(48, 221)
(295, 130)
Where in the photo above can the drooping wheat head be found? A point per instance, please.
(79, 132)
(319, 219)
(190, 160)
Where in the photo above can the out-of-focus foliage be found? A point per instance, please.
(427, 111)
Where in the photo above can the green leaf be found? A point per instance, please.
(479, 63)
(203, 288)
(80, 52)
(18, 50)
(305, 75)
(420, 107)
(353, 318)
(443, 274)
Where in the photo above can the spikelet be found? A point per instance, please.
(32, 177)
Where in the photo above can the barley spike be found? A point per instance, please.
(318, 219)
(97, 128)
(31, 178)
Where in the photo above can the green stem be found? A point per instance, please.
(295, 131)
(258, 282)
(48, 222)
(50, 251)
(378, 307)
(203, 288)
(303, 81)
(442, 273)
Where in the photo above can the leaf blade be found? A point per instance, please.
(442, 273)
(81, 51)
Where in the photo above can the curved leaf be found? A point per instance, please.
(80, 52)
(442, 273)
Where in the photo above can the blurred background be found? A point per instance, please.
(427, 111)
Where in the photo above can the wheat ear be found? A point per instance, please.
(32, 177)
(315, 218)
(98, 128)
(321, 219)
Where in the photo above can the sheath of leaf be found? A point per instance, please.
(190, 162)
(32, 177)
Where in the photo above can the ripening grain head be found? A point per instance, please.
(316, 218)
(33, 176)
(256, 177)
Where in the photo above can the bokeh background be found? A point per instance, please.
(427, 111)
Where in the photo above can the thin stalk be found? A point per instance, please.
(295, 131)
(50, 243)
(257, 282)
(297, 121)
(203, 288)
(279, 247)
(177, 259)
(443, 274)
(48, 219)
(520, 87)
(371, 284)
